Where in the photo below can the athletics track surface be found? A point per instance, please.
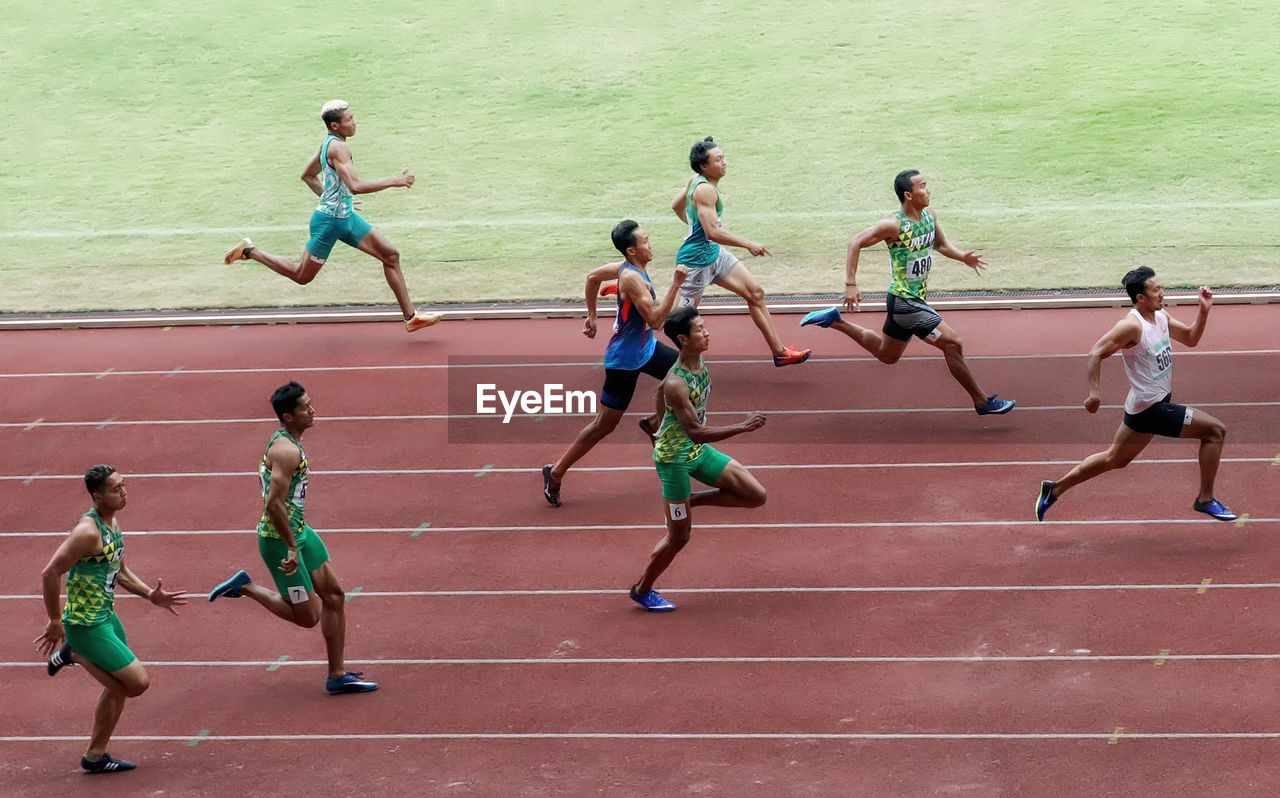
(890, 623)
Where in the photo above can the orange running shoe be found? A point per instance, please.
(238, 252)
(609, 289)
(421, 320)
(791, 356)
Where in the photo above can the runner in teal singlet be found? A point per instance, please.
(331, 174)
(699, 205)
(912, 235)
(307, 587)
(92, 557)
(681, 452)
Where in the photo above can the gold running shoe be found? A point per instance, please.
(238, 252)
(419, 320)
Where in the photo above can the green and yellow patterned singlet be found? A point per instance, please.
(911, 256)
(294, 500)
(673, 444)
(91, 582)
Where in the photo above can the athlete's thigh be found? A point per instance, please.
(132, 676)
(1129, 443)
(735, 478)
(677, 513)
(376, 244)
(892, 347)
(310, 266)
(943, 334)
(324, 578)
(1202, 425)
(739, 280)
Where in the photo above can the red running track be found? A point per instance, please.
(890, 623)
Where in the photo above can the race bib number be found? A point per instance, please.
(297, 594)
(1164, 358)
(111, 582)
(679, 511)
(918, 269)
(300, 495)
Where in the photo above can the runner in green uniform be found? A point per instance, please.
(699, 205)
(307, 588)
(912, 234)
(331, 174)
(92, 557)
(681, 452)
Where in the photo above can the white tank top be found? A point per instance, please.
(1149, 364)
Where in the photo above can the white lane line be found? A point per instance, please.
(614, 591)
(567, 363)
(962, 660)
(496, 418)
(635, 736)
(470, 471)
(900, 525)
(851, 214)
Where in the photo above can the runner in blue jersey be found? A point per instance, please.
(633, 350)
(699, 205)
(331, 174)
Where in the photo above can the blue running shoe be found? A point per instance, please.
(1046, 499)
(1214, 508)
(651, 600)
(231, 587)
(106, 764)
(822, 318)
(60, 659)
(996, 406)
(349, 683)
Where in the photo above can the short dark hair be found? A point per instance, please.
(96, 477)
(680, 322)
(624, 235)
(700, 153)
(1135, 282)
(902, 183)
(285, 399)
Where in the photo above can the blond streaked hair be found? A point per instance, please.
(333, 110)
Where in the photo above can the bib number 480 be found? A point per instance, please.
(920, 268)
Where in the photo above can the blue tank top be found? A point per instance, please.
(633, 342)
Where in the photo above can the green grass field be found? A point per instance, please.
(1069, 142)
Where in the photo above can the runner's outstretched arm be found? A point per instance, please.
(1127, 332)
(1190, 336)
(595, 277)
(944, 247)
(677, 395)
(311, 175)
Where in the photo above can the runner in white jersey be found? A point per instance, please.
(1145, 337)
(331, 174)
